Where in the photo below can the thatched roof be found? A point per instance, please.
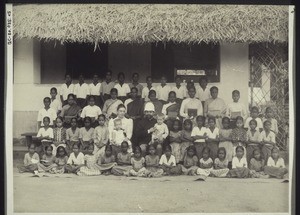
(97, 23)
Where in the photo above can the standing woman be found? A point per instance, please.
(70, 110)
(127, 125)
(215, 107)
(134, 105)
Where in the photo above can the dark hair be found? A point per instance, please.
(91, 146)
(76, 144)
(275, 148)
(148, 77)
(269, 108)
(214, 88)
(125, 142)
(253, 120)
(200, 117)
(206, 149)
(108, 148)
(71, 95)
(172, 92)
(74, 118)
(149, 146)
(60, 117)
(222, 149)
(114, 90)
(81, 74)
(254, 108)
(91, 97)
(60, 148)
(163, 76)
(239, 147)
(257, 150)
(47, 98)
(191, 147)
(179, 123)
(87, 118)
(151, 92)
(95, 74)
(235, 91)
(135, 74)
(48, 147)
(188, 121)
(46, 117)
(192, 87)
(109, 71)
(167, 147)
(176, 77)
(102, 115)
(225, 118)
(53, 89)
(31, 144)
(137, 148)
(134, 88)
(239, 118)
(212, 118)
(121, 106)
(121, 74)
(267, 121)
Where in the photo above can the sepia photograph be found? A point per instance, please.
(149, 108)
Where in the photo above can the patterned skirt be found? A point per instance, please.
(241, 172)
(89, 171)
(43, 168)
(204, 172)
(154, 172)
(275, 171)
(189, 171)
(220, 173)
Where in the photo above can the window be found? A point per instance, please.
(74, 58)
(188, 61)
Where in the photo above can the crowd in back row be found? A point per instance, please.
(105, 115)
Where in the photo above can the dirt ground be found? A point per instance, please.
(71, 193)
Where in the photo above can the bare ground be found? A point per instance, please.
(71, 193)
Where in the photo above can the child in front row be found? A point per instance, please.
(90, 167)
(168, 162)
(31, 160)
(205, 163)
(47, 163)
(76, 159)
(123, 161)
(275, 165)
(220, 165)
(61, 160)
(239, 164)
(86, 134)
(138, 163)
(190, 162)
(152, 163)
(257, 164)
(106, 161)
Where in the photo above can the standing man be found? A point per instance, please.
(106, 86)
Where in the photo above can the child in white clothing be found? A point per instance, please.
(91, 110)
(160, 130)
(235, 108)
(118, 135)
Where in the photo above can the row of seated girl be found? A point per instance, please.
(178, 138)
(152, 165)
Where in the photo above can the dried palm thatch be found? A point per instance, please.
(106, 23)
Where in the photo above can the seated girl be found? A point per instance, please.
(257, 164)
(76, 159)
(221, 164)
(47, 163)
(275, 165)
(168, 162)
(106, 161)
(123, 161)
(190, 162)
(86, 134)
(31, 160)
(72, 134)
(90, 167)
(239, 165)
(138, 163)
(152, 163)
(206, 164)
(61, 160)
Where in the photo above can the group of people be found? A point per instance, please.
(127, 129)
